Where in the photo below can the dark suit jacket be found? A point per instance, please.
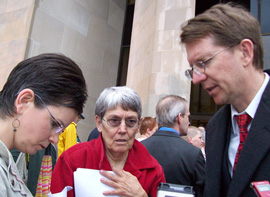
(254, 160)
(182, 162)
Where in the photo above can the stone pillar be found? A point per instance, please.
(157, 59)
(15, 17)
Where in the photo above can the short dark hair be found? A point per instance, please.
(229, 24)
(57, 79)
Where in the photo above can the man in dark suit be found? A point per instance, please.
(182, 162)
(224, 48)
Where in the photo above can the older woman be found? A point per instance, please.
(42, 95)
(118, 114)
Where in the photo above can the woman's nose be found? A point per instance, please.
(54, 138)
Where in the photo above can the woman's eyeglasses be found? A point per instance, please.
(60, 128)
(130, 123)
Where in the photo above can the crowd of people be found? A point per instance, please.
(44, 97)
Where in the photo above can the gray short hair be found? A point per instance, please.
(168, 108)
(122, 96)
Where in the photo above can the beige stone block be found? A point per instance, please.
(52, 8)
(171, 61)
(174, 18)
(179, 84)
(159, 83)
(76, 16)
(120, 3)
(47, 30)
(177, 42)
(165, 5)
(150, 106)
(3, 6)
(82, 49)
(116, 17)
(186, 4)
(13, 5)
(15, 24)
(99, 8)
(110, 63)
(160, 21)
(11, 54)
(70, 12)
(114, 40)
(140, 8)
(98, 29)
(156, 62)
(163, 41)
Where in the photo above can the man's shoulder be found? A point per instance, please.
(223, 113)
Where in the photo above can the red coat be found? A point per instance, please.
(92, 155)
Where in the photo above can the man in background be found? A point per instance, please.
(194, 137)
(182, 162)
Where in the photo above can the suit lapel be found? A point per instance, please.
(255, 148)
(216, 133)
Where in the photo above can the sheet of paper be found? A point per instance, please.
(63, 193)
(87, 183)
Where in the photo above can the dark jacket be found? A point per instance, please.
(254, 161)
(182, 162)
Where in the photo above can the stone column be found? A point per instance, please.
(15, 17)
(157, 60)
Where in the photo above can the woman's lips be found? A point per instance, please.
(121, 141)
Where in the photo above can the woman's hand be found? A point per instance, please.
(125, 184)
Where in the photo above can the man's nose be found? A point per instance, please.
(198, 78)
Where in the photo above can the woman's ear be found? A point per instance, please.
(98, 123)
(247, 47)
(24, 97)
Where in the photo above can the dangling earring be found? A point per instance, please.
(15, 124)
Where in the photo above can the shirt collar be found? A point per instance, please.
(168, 129)
(252, 107)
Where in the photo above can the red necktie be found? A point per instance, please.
(243, 122)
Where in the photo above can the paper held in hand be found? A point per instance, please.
(87, 183)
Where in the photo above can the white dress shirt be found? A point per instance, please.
(250, 110)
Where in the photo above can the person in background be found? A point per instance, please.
(69, 137)
(202, 129)
(194, 137)
(93, 135)
(182, 162)
(225, 50)
(117, 116)
(148, 127)
(41, 96)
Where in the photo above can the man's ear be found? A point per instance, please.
(24, 97)
(189, 140)
(246, 47)
(178, 119)
(98, 123)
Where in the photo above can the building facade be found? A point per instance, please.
(92, 33)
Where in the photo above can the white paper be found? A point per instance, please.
(63, 193)
(87, 183)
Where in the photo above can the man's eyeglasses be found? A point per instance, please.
(130, 123)
(60, 128)
(199, 67)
